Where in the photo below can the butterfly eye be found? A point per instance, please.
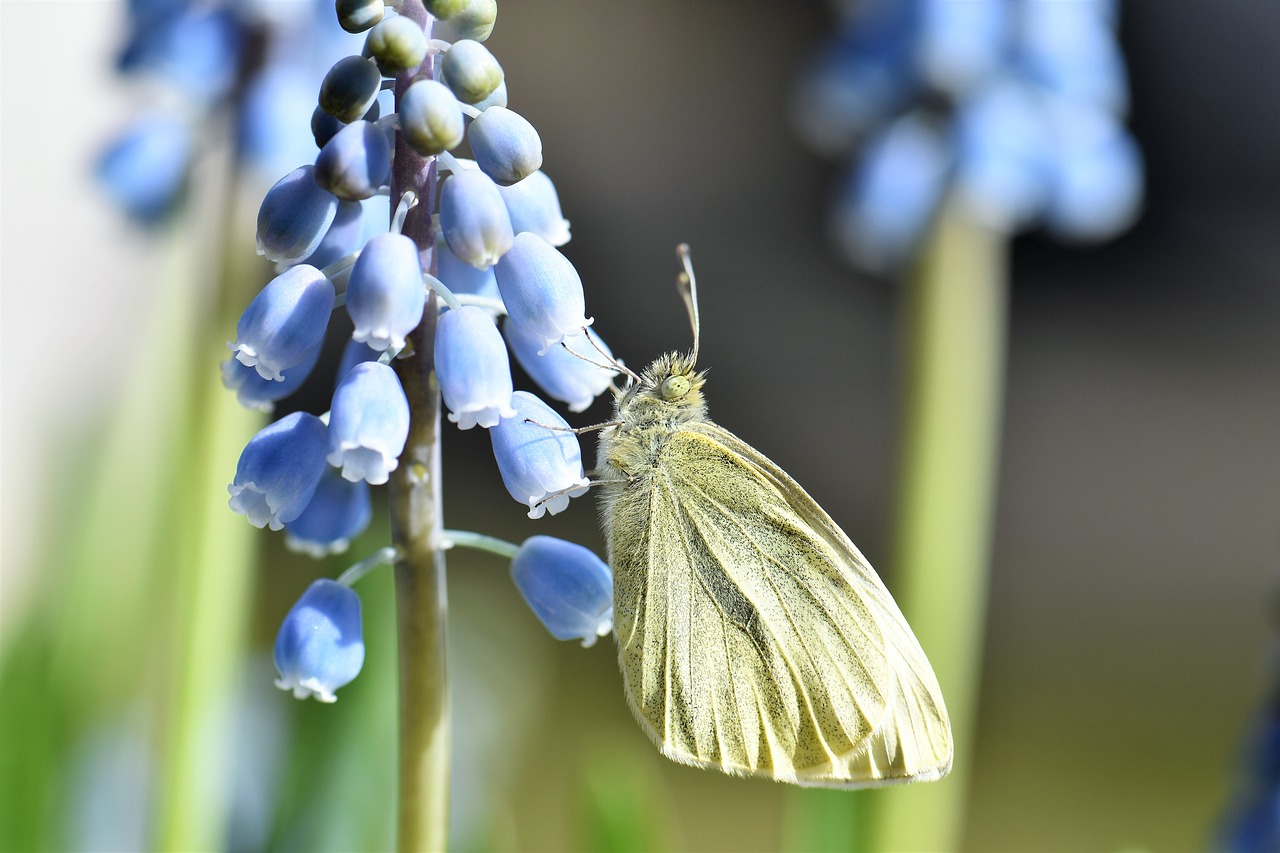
(675, 387)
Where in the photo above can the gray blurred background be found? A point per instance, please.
(1137, 547)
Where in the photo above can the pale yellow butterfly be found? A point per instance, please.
(753, 636)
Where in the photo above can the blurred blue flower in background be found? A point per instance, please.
(1014, 106)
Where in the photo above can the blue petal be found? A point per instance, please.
(294, 216)
(279, 469)
(386, 293)
(471, 362)
(506, 146)
(542, 290)
(559, 372)
(567, 586)
(368, 423)
(285, 321)
(536, 461)
(320, 646)
(534, 206)
(339, 511)
(474, 219)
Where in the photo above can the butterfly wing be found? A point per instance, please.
(754, 637)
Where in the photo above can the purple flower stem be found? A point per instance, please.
(417, 523)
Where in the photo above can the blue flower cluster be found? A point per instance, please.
(1013, 107)
(256, 58)
(497, 256)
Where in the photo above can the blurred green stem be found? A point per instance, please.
(213, 552)
(955, 339)
(417, 525)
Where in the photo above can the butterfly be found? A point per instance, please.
(753, 636)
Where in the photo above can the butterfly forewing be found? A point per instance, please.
(753, 636)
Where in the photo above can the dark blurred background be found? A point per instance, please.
(1137, 547)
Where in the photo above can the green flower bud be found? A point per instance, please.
(397, 44)
(356, 16)
(445, 8)
(430, 118)
(475, 21)
(350, 88)
(470, 71)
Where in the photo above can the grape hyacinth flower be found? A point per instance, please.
(369, 423)
(339, 511)
(506, 146)
(574, 373)
(542, 291)
(355, 163)
(567, 586)
(145, 170)
(474, 219)
(534, 205)
(320, 646)
(279, 470)
(386, 294)
(285, 322)
(538, 456)
(471, 361)
(254, 392)
(294, 216)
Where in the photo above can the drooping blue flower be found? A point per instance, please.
(542, 290)
(285, 321)
(1096, 180)
(538, 456)
(1003, 155)
(145, 169)
(890, 197)
(563, 375)
(474, 219)
(460, 277)
(471, 362)
(567, 587)
(294, 216)
(195, 50)
(506, 146)
(533, 205)
(339, 511)
(386, 293)
(355, 353)
(279, 469)
(320, 646)
(356, 162)
(368, 423)
(254, 392)
(345, 235)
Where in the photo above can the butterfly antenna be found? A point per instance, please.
(689, 292)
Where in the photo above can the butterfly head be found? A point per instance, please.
(669, 389)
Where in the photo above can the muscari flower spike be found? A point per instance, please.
(471, 362)
(368, 423)
(562, 374)
(320, 646)
(538, 456)
(542, 291)
(339, 511)
(279, 470)
(284, 322)
(294, 216)
(386, 293)
(567, 587)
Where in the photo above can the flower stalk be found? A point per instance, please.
(417, 523)
(955, 339)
